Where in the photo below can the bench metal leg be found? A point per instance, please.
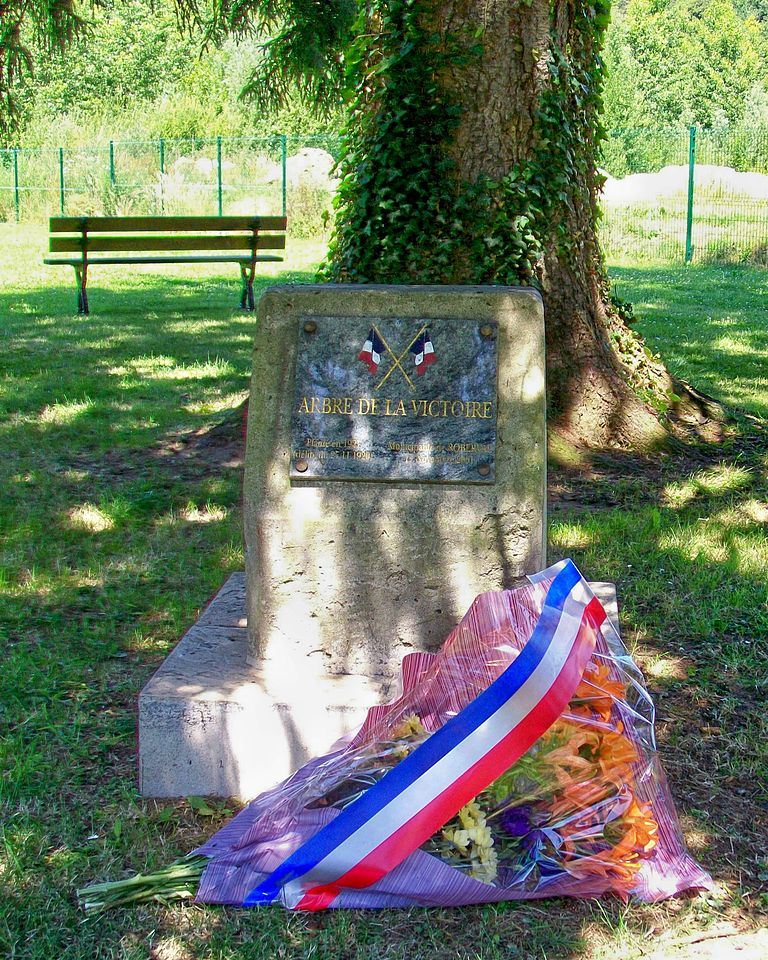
(243, 288)
(81, 277)
(247, 299)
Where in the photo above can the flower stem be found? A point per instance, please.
(179, 881)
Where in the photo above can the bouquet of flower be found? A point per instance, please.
(518, 762)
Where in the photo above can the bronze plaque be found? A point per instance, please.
(395, 399)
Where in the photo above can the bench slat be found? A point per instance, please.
(74, 261)
(206, 242)
(162, 224)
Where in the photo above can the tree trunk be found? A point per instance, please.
(472, 159)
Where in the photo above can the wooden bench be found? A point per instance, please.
(243, 237)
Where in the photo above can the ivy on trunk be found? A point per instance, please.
(470, 158)
(471, 142)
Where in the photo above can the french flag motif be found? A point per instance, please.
(414, 799)
(423, 351)
(372, 350)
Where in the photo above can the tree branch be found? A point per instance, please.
(305, 50)
(50, 24)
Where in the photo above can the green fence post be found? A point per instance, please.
(16, 195)
(61, 180)
(112, 162)
(284, 165)
(161, 144)
(218, 175)
(689, 215)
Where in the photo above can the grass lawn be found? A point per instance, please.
(115, 531)
(709, 323)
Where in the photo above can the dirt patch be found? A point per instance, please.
(719, 943)
(592, 479)
(611, 478)
(212, 448)
(619, 478)
(697, 730)
(190, 456)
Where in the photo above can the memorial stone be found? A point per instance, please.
(395, 468)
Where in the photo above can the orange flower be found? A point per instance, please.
(588, 753)
(632, 837)
(575, 758)
(642, 827)
(616, 754)
(591, 766)
(597, 692)
(619, 877)
(580, 797)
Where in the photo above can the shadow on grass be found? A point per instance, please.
(137, 293)
(106, 556)
(166, 352)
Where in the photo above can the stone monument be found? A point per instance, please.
(395, 468)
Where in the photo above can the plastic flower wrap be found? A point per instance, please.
(517, 762)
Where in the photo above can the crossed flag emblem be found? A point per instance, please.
(376, 346)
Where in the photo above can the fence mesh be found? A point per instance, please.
(224, 175)
(641, 219)
(731, 198)
(670, 195)
(686, 195)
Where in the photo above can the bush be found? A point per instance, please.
(310, 205)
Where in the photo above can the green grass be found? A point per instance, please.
(112, 538)
(726, 229)
(710, 324)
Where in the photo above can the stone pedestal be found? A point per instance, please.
(350, 569)
(344, 576)
(212, 724)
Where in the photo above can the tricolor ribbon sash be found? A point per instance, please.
(399, 813)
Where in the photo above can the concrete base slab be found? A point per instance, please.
(212, 724)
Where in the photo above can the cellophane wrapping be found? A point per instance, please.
(585, 811)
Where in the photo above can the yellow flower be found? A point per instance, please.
(410, 726)
(459, 838)
(486, 867)
(470, 815)
(473, 841)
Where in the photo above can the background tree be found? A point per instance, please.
(471, 136)
(48, 24)
(470, 158)
(135, 74)
(679, 62)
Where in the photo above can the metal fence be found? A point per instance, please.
(670, 195)
(692, 195)
(224, 175)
